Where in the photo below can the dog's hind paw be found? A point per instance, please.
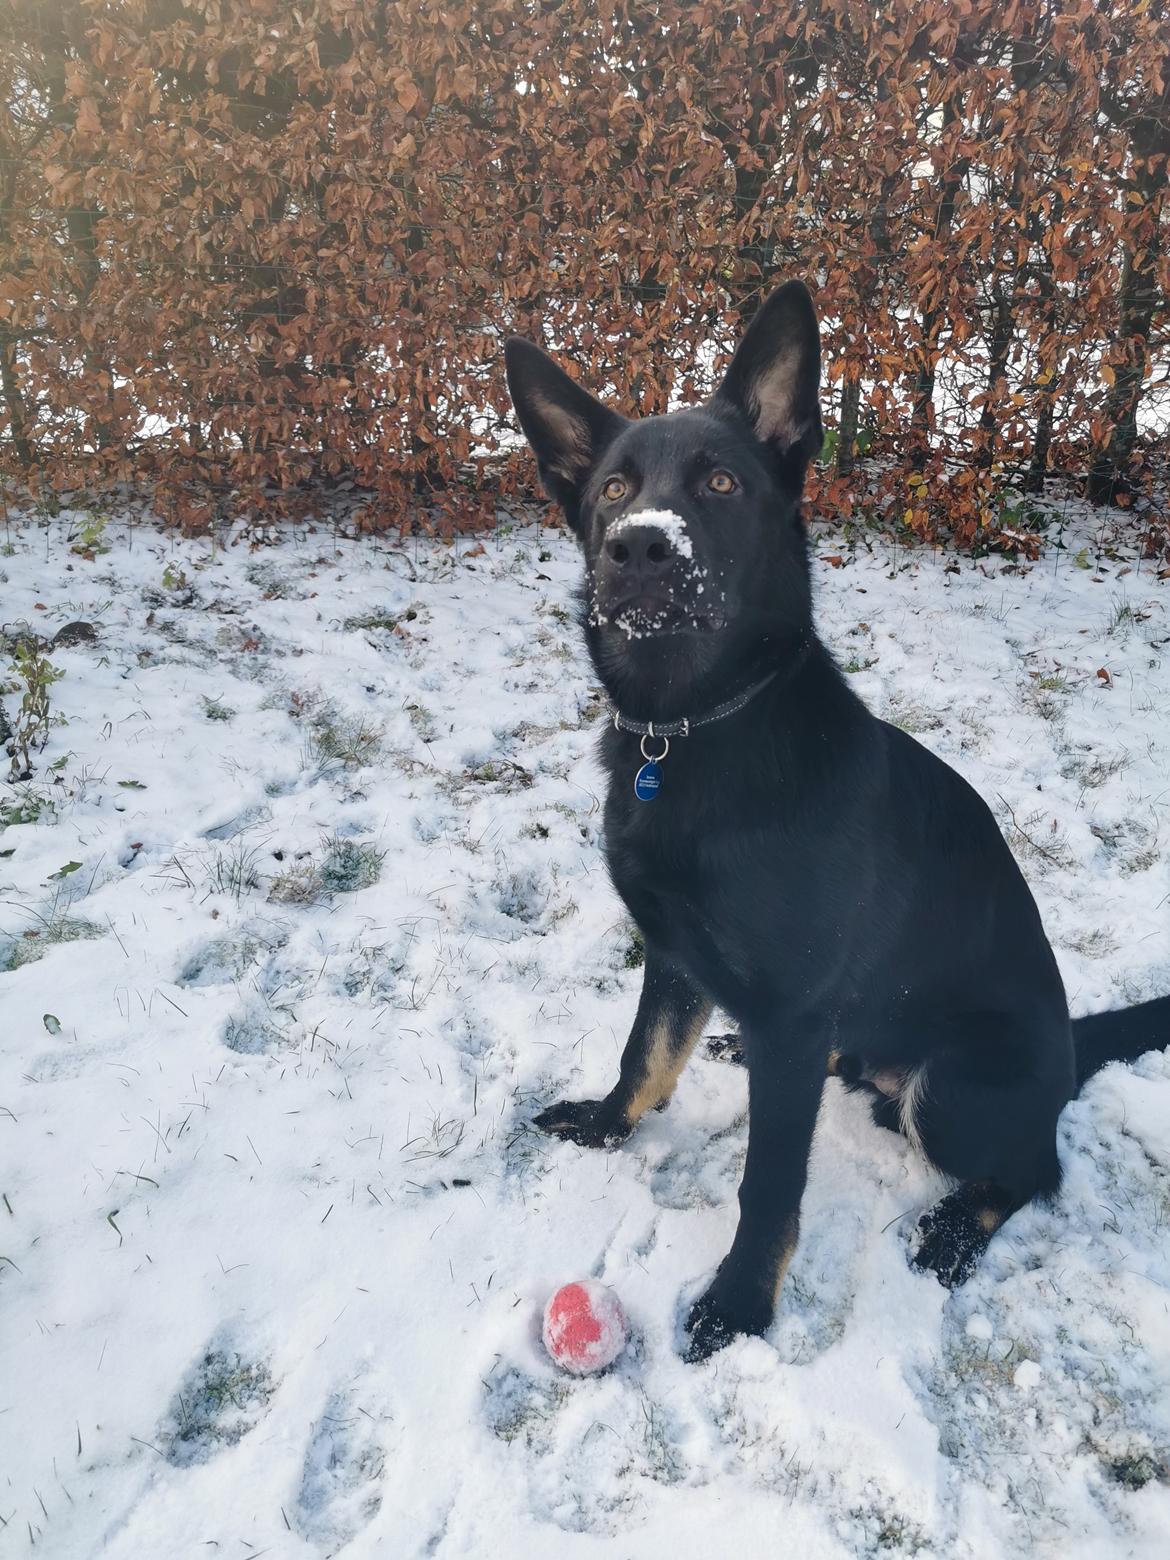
(727, 1048)
(591, 1123)
(952, 1236)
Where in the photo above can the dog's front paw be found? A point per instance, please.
(591, 1123)
(718, 1317)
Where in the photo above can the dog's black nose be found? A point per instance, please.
(641, 547)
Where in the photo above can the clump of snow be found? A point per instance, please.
(296, 1119)
(672, 526)
(636, 623)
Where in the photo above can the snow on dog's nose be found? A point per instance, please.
(649, 580)
(659, 533)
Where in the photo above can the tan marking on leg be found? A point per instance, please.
(832, 1064)
(991, 1219)
(791, 1235)
(781, 1270)
(909, 1099)
(666, 1057)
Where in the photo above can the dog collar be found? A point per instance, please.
(648, 780)
(684, 727)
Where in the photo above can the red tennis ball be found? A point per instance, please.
(584, 1327)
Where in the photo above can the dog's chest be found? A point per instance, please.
(672, 875)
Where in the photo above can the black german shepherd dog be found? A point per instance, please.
(832, 885)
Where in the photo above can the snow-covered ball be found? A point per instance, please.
(584, 1327)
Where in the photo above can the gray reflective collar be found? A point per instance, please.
(684, 727)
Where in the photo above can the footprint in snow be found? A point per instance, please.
(252, 1031)
(225, 960)
(222, 1398)
(820, 1287)
(701, 1172)
(340, 1491)
(589, 1451)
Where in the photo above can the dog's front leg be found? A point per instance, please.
(670, 1018)
(784, 1092)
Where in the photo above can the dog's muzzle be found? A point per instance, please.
(647, 581)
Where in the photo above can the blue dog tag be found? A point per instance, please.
(647, 782)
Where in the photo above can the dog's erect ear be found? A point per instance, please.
(774, 378)
(566, 426)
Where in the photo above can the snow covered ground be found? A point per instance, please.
(313, 919)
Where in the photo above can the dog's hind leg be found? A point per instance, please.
(670, 1018)
(983, 1108)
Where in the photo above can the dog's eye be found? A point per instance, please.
(614, 489)
(722, 482)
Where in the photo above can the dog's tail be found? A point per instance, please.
(1120, 1036)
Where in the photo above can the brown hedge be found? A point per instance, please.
(248, 248)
